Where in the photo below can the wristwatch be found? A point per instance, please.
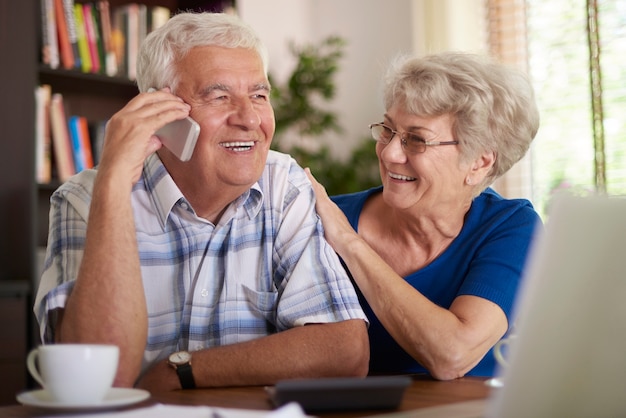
(181, 362)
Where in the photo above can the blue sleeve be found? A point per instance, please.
(500, 241)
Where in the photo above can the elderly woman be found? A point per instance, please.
(436, 254)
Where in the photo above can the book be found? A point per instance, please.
(119, 25)
(91, 34)
(43, 159)
(96, 134)
(81, 36)
(142, 29)
(79, 163)
(61, 142)
(49, 41)
(104, 12)
(132, 39)
(81, 145)
(97, 25)
(65, 47)
(127, 27)
(157, 16)
(85, 138)
(68, 8)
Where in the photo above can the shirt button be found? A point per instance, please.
(184, 205)
(204, 293)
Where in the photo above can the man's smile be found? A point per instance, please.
(238, 146)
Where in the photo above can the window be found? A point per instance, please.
(571, 45)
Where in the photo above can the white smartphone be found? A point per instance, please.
(180, 137)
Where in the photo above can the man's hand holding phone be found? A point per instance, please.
(179, 136)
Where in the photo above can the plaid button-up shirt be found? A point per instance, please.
(264, 267)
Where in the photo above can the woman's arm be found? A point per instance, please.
(447, 342)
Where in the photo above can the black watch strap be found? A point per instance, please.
(185, 376)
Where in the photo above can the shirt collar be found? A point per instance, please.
(165, 194)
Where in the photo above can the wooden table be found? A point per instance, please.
(423, 393)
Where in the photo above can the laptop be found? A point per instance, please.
(569, 357)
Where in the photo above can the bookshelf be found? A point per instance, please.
(24, 203)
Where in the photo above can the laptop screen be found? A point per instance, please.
(569, 357)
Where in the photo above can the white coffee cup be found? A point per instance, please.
(499, 349)
(74, 374)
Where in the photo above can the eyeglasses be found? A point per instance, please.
(412, 142)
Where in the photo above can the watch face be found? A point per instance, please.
(180, 357)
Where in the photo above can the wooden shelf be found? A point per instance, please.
(94, 84)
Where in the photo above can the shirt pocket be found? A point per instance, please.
(263, 304)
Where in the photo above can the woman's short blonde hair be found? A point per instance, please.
(493, 106)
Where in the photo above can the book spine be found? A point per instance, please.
(77, 152)
(159, 15)
(83, 47)
(97, 131)
(49, 41)
(43, 163)
(65, 47)
(61, 141)
(127, 28)
(90, 32)
(68, 8)
(106, 35)
(132, 40)
(85, 142)
(142, 25)
(118, 38)
(98, 34)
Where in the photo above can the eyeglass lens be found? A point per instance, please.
(412, 142)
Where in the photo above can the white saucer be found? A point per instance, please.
(494, 382)
(115, 398)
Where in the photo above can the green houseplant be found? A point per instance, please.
(297, 109)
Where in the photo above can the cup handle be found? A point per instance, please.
(497, 351)
(32, 366)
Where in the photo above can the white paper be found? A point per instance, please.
(291, 410)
